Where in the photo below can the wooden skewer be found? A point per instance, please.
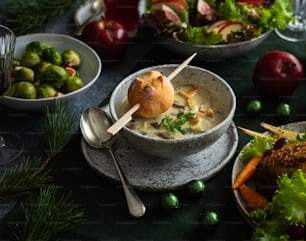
(123, 120)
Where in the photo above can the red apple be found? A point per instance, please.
(225, 30)
(107, 37)
(277, 73)
(216, 26)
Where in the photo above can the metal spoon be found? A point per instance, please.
(96, 8)
(94, 123)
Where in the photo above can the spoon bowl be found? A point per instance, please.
(93, 123)
(96, 8)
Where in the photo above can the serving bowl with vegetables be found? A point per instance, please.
(49, 67)
(268, 181)
(216, 30)
(200, 108)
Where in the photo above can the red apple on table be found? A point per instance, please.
(107, 37)
(277, 73)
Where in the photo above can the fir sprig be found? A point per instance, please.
(24, 16)
(56, 131)
(16, 181)
(58, 126)
(47, 215)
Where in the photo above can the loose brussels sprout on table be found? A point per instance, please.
(43, 71)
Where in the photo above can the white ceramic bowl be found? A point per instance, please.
(89, 70)
(172, 148)
(213, 53)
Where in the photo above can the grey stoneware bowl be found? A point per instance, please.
(171, 148)
(213, 53)
(89, 70)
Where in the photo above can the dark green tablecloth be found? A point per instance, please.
(107, 217)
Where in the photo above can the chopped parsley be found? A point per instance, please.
(177, 124)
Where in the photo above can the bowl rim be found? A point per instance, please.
(85, 87)
(246, 42)
(228, 118)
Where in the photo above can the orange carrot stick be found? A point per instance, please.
(192, 90)
(252, 198)
(247, 172)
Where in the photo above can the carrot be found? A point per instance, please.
(200, 115)
(247, 172)
(252, 198)
(192, 90)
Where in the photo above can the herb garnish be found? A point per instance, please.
(177, 124)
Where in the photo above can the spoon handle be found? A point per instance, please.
(135, 205)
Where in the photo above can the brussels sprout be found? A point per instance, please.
(53, 56)
(37, 47)
(23, 89)
(73, 83)
(71, 58)
(45, 91)
(24, 74)
(40, 68)
(55, 76)
(30, 59)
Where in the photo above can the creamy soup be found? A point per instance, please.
(194, 110)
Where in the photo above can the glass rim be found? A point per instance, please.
(13, 37)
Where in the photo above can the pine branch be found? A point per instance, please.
(56, 131)
(16, 181)
(24, 16)
(47, 215)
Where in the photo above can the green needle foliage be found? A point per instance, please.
(16, 181)
(57, 128)
(24, 16)
(47, 215)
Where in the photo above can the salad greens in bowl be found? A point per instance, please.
(282, 168)
(216, 29)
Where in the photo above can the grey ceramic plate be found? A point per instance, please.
(238, 166)
(145, 172)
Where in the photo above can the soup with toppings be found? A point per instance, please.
(195, 110)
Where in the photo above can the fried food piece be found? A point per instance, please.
(287, 159)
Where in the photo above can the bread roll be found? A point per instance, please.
(153, 92)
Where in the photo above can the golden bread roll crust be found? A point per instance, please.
(153, 92)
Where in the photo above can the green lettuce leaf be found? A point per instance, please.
(256, 147)
(288, 206)
(277, 16)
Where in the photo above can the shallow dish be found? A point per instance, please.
(89, 70)
(238, 166)
(149, 173)
(172, 148)
(213, 53)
